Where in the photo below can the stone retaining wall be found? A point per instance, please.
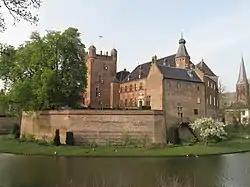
(99, 126)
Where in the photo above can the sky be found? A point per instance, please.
(216, 31)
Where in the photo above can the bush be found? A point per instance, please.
(57, 138)
(16, 131)
(209, 129)
(70, 138)
(144, 107)
(173, 135)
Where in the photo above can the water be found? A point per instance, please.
(37, 171)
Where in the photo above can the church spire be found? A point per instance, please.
(242, 79)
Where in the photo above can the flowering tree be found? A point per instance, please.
(208, 128)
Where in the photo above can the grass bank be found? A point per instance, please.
(8, 145)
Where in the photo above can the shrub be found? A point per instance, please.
(209, 129)
(144, 107)
(70, 138)
(173, 135)
(57, 138)
(16, 131)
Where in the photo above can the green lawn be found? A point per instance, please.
(13, 146)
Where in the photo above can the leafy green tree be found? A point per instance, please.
(45, 72)
(19, 9)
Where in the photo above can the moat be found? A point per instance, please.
(38, 171)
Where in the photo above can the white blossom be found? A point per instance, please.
(208, 127)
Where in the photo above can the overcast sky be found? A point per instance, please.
(217, 31)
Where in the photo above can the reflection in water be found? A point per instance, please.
(30, 171)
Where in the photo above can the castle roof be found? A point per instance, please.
(204, 68)
(121, 75)
(242, 79)
(179, 73)
(143, 69)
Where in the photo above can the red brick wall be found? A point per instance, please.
(100, 126)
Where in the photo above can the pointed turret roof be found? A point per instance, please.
(182, 51)
(242, 79)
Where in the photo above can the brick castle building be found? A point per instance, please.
(172, 83)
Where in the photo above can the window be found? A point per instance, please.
(214, 102)
(208, 83)
(131, 88)
(198, 88)
(140, 87)
(178, 85)
(105, 67)
(135, 87)
(131, 102)
(198, 100)
(148, 101)
(195, 112)
(126, 88)
(179, 111)
(96, 92)
(125, 102)
(210, 99)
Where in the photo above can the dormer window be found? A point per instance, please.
(139, 76)
(190, 74)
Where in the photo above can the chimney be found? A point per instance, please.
(107, 53)
(100, 52)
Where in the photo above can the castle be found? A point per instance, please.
(173, 84)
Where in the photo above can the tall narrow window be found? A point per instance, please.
(140, 86)
(195, 112)
(96, 91)
(130, 88)
(198, 100)
(126, 102)
(210, 100)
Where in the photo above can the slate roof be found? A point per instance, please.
(182, 50)
(242, 79)
(205, 69)
(121, 75)
(143, 69)
(179, 74)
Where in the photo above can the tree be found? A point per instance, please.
(46, 71)
(19, 9)
(209, 129)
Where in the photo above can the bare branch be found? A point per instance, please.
(20, 10)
